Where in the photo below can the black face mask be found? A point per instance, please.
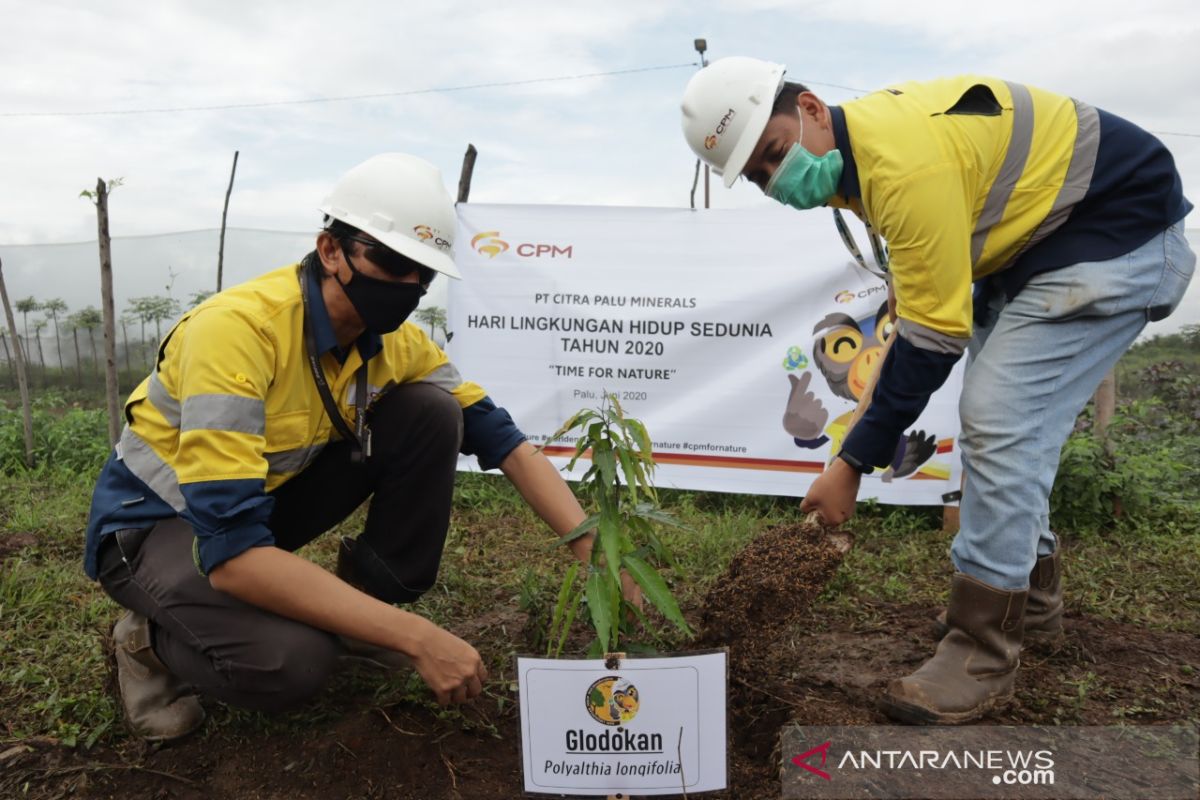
(382, 305)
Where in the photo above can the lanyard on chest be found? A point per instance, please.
(360, 437)
(877, 248)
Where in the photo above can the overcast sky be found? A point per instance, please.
(611, 140)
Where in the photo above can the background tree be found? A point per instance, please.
(73, 325)
(39, 325)
(89, 319)
(198, 297)
(7, 355)
(433, 316)
(127, 319)
(142, 308)
(26, 405)
(26, 306)
(162, 308)
(55, 306)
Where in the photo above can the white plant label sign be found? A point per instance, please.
(654, 726)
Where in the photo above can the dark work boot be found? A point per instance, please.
(356, 650)
(975, 665)
(1043, 611)
(159, 706)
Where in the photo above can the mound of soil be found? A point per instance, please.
(770, 584)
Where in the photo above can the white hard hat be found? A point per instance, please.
(726, 106)
(400, 200)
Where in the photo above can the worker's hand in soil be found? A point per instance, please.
(834, 493)
(449, 666)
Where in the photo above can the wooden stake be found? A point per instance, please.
(224, 214)
(468, 169)
(613, 661)
(22, 378)
(112, 388)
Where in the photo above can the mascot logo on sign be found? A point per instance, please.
(846, 351)
(612, 701)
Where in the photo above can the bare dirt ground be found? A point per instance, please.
(797, 662)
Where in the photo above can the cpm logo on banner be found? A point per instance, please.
(1078, 763)
(490, 244)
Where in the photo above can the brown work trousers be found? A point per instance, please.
(252, 658)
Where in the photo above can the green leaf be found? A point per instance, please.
(564, 594)
(650, 512)
(586, 526)
(568, 621)
(600, 606)
(579, 418)
(603, 457)
(643, 440)
(581, 447)
(596, 649)
(627, 466)
(656, 591)
(610, 544)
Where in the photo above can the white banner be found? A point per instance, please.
(654, 726)
(741, 338)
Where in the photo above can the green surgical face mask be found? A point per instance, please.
(803, 180)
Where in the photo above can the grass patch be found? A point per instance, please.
(499, 563)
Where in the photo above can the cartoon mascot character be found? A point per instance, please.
(846, 351)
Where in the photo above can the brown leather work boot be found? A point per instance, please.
(159, 706)
(1043, 611)
(356, 650)
(975, 665)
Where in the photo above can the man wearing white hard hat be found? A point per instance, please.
(1032, 231)
(274, 410)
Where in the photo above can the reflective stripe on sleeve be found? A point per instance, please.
(286, 462)
(151, 470)
(224, 412)
(1010, 171)
(444, 377)
(927, 338)
(161, 399)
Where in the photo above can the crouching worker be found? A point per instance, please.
(274, 410)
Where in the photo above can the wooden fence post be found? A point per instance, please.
(22, 378)
(112, 389)
(224, 213)
(468, 169)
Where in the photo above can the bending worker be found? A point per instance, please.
(1066, 218)
(274, 410)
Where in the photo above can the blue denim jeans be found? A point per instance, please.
(1030, 371)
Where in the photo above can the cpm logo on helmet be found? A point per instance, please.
(490, 244)
(711, 141)
(431, 236)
